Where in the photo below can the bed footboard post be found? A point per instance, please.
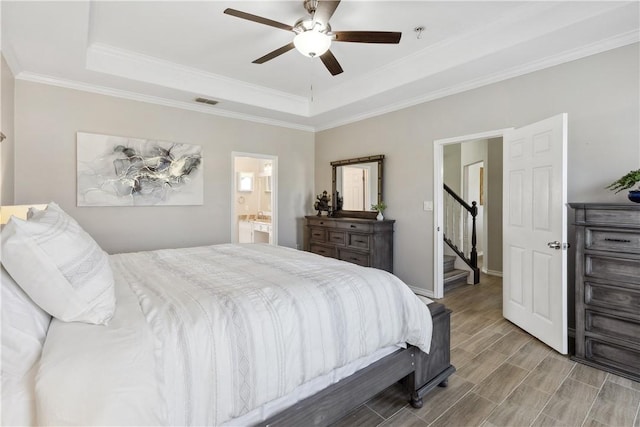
(433, 369)
(410, 383)
(416, 400)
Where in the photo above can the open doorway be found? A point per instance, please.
(472, 166)
(254, 198)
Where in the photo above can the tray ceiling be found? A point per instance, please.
(173, 52)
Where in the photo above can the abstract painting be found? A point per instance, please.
(119, 171)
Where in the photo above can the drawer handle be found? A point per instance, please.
(354, 258)
(321, 222)
(617, 240)
(360, 241)
(337, 238)
(321, 252)
(352, 226)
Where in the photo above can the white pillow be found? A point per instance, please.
(24, 329)
(59, 266)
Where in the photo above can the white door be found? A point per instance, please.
(535, 230)
(353, 188)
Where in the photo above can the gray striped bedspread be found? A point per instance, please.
(238, 326)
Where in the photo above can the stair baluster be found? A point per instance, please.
(456, 233)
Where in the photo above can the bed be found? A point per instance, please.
(228, 334)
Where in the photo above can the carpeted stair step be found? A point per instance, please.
(449, 261)
(455, 278)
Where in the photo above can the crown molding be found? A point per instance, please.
(467, 46)
(615, 42)
(621, 40)
(117, 93)
(135, 66)
(11, 58)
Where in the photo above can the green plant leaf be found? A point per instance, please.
(625, 182)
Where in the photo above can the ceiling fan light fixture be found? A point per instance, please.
(312, 43)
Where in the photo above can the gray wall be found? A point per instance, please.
(47, 119)
(6, 125)
(493, 207)
(451, 167)
(474, 152)
(600, 93)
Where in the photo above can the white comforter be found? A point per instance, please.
(218, 331)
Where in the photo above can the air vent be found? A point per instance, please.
(207, 101)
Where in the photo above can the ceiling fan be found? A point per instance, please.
(314, 36)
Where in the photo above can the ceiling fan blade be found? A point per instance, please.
(258, 19)
(325, 10)
(269, 56)
(367, 36)
(331, 63)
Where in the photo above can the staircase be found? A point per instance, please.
(453, 278)
(460, 232)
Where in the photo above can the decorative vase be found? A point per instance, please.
(379, 217)
(634, 196)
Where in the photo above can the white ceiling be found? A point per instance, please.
(172, 52)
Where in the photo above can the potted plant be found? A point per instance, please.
(379, 207)
(625, 183)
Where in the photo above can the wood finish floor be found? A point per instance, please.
(505, 377)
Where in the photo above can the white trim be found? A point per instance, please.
(575, 54)
(438, 220)
(584, 51)
(107, 59)
(422, 292)
(11, 58)
(493, 273)
(117, 93)
(274, 193)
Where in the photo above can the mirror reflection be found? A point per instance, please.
(357, 184)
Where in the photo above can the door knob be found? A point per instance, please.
(557, 245)
(554, 245)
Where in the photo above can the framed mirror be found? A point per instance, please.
(356, 185)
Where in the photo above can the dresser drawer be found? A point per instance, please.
(318, 235)
(356, 226)
(608, 354)
(610, 267)
(337, 237)
(320, 222)
(613, 297)
(323, 250)
(355, 257)
(616, 240)
(612, 326)
(616, 217)
(360, 241)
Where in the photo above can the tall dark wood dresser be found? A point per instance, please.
(366, 242)
(607, 287)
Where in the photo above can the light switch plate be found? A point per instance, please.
(428, 206)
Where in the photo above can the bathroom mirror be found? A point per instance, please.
(358, 182)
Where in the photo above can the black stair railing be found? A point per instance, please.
(460, 229)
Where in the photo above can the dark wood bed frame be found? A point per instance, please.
(417, 371)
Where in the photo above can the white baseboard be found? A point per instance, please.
(423, 292)
(493, 273)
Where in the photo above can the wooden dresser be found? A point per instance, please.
(366, 242)
(607, 287)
